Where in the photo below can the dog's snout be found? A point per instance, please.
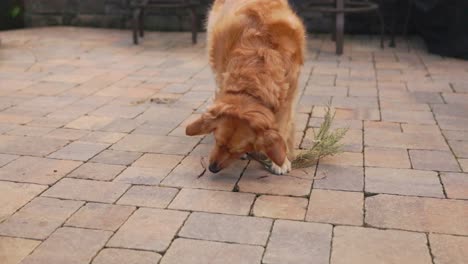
(214, 167)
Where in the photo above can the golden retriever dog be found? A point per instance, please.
(256, 50)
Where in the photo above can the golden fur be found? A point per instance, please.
(256, 49)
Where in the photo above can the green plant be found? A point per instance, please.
(326, 143)
(15, 11)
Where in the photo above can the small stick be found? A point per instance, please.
(202, 162)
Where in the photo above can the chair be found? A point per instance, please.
(339, 8)
(140, 7)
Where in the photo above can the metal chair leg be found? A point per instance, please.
(395, 17)
(142, 23)
(407, 18)
(135, 24)
(339, 27)
(193, 12)
(382, 26)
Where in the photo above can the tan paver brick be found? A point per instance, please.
(127, 256)
(387, 158)
(387, 139)
(298, 242)
(89, 122)
(404, 182)
(5, 159)
(149, 229)
(460, 148)
(77, 150)
(336, 207)
(188, 251)
(464, 164)
(148, 196)
(87, 190)
(39, 218)
(283, 207)
(13, 250)
(213, 201)
(30, 145)
(227, 228)
(156, 144)
(146, 176)
(455, 184)
(356, 245)
(69, 245)
(344, 159)
(417, 214)
(103, 137)
(116, 157)
(14, 195)
(37, 170)
(66, 133)
(97, 171)
(449, 249)
(100, 216)
(187, 174)
(335, 177)
(433, 160)
(258, 180)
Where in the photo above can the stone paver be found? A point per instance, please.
(296, 242)
(455, 184)
(95, 127)
(354, 245)
(336, 207)
(87, 190)
(97, 171)
(449, 249)
(89, 122)
(283, 207)
(403, 181)
(14, 195)
(115, 157)
(227, 228)
(103, 137)
(20, 145)
(189, 174)
(148, 196)
(100, 216)
(79, 151)
(37, 170)
(213, 201)
(156, 144)
(433, 160)
(187, 251)
(257, 180)
(75, 246)
(334, 177)
(127, 256)
(39, 218)
(149, 229)
(5, 158)
(417, 214)
(387, 158)
(13, 250)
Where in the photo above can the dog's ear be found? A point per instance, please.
(201, 126)
(207, 122)
(274, 146)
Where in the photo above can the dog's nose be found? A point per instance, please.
(214, 168)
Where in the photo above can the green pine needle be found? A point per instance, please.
(326, 143)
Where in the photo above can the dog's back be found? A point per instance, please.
(256, 47)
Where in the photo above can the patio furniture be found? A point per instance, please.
(396, 16)
(141, 7)
(339, 8)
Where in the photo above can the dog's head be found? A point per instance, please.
(239, 129)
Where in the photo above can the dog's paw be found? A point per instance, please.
(280, 170)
